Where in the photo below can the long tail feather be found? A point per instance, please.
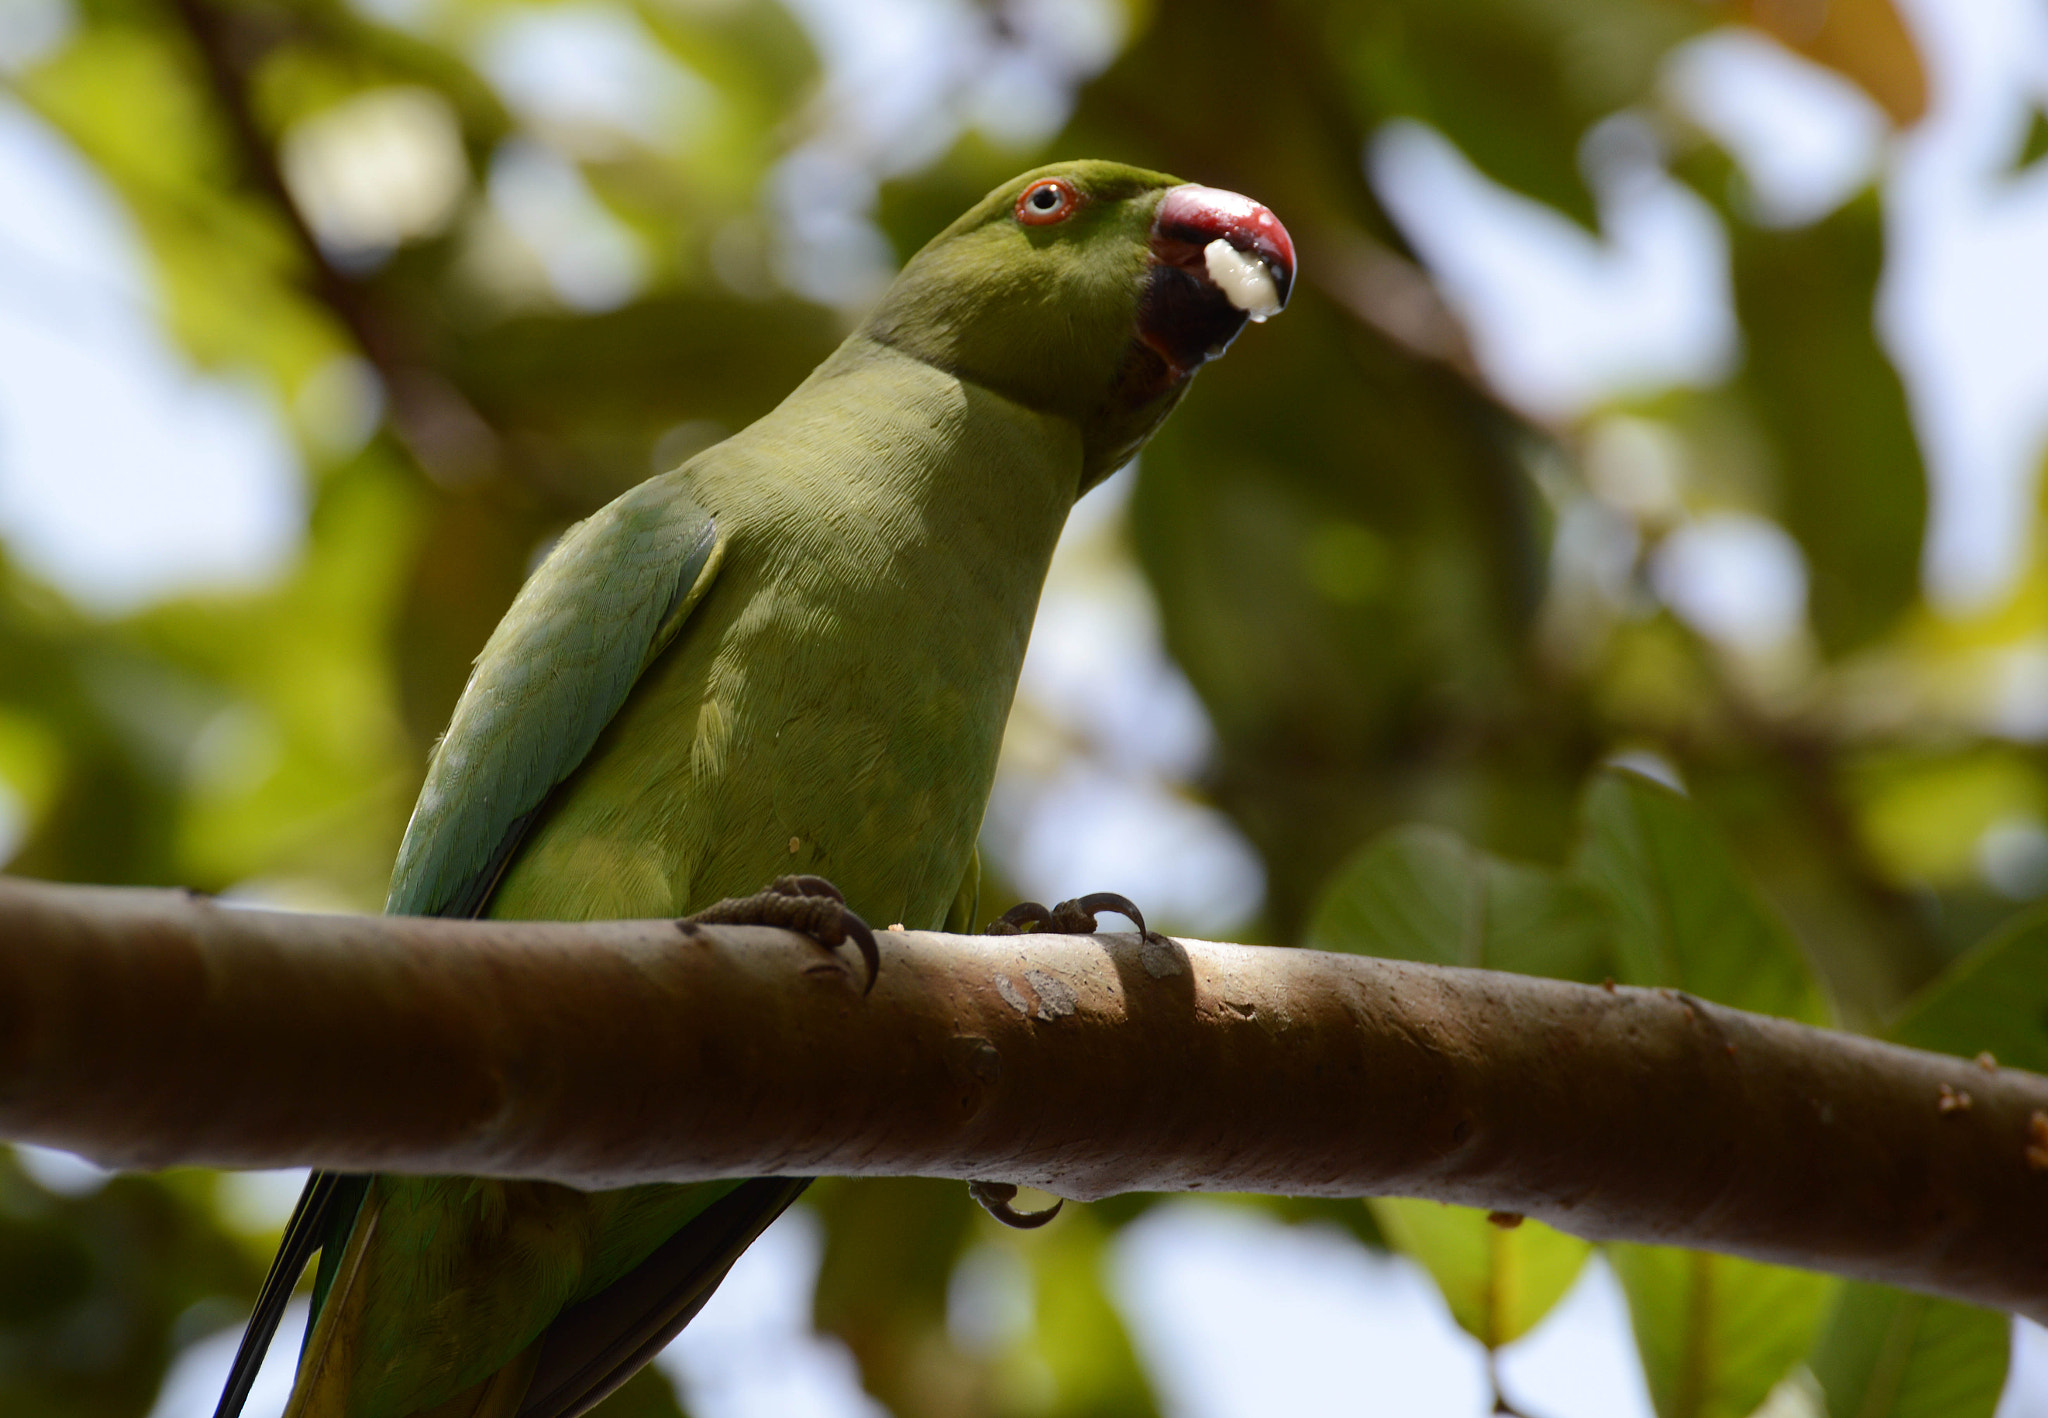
(324, 1198)
(328, 1361)
(595, 1346)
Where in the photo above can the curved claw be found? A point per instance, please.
(995, 1199)
(864, 942)
(832, 924)
(849, 922)
(1075, 917)
(1024, 916)
(1108, 901)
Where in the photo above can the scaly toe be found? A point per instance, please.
(808, 905)
(806, 886)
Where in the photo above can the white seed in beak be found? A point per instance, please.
(1243, 279)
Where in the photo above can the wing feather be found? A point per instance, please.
(608, 599)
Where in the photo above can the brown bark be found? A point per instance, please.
(145, 1028)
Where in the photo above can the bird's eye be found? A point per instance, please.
(1046, 202)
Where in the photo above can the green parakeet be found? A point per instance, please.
(793, 654)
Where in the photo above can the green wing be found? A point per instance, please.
(608, 600)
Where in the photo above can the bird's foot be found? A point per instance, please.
(995, 1199)
(1076, 917)
(808, 905)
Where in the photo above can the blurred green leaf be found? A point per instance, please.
(892, 1252)
(1516, 84)
(1925, 812)
(1852, 488)
(226, 266)
(2034, 146)
(1080, 1343)
(1329, 696)
(1421, 893)
(1884, 1353)
(1716, 1334)
(891, 1246)
(616, 381)
(1994, 1000)
(1499, 1281)
(1685, 917)
(301, 768)
(97, 1289)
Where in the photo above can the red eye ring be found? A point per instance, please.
(1044, 202)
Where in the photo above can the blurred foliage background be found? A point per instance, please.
(1390, 642)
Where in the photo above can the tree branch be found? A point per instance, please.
(438, 425)
(145, 1028)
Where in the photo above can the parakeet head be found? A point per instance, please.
(1091, 290)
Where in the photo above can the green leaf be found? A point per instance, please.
(891, 1244)
(223, 261)
(1885, 1353)
(96, 1290)
(1510, 81)
(1994, 1000)
(1421, 893)
(1924, 812)
(1499, 1281)
(1851, 486)
(1080, 1343)
(2035, 145)
(1323, 704)
(1685, 916)
(1716, 1334)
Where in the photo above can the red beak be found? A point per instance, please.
(1190, 217)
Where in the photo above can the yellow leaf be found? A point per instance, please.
(1863, 40)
